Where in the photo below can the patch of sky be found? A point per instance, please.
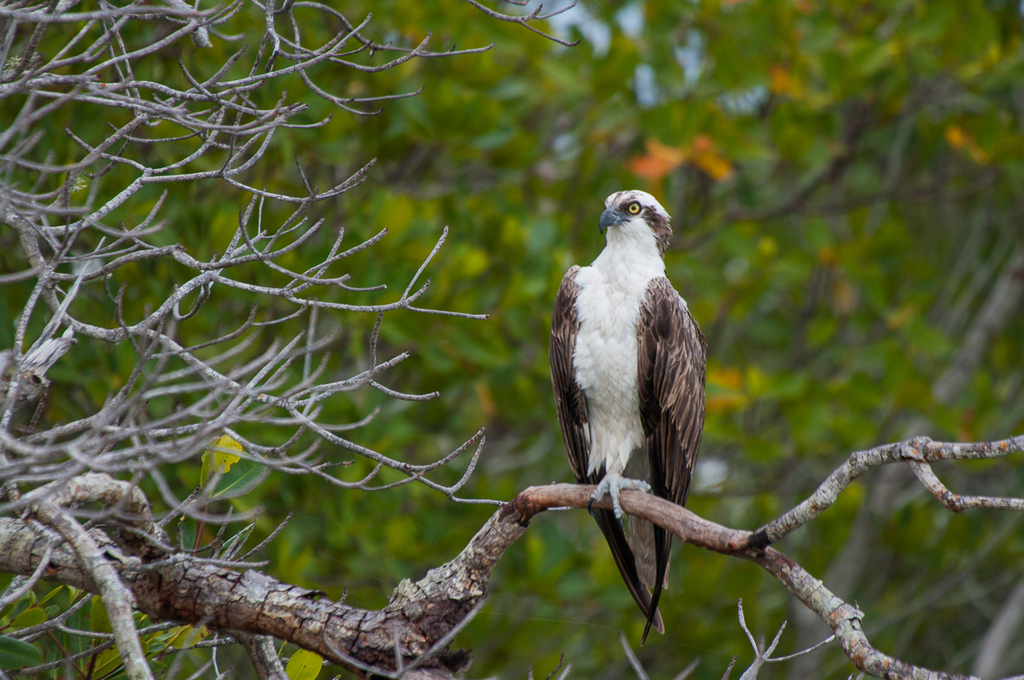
(631, 19)
(565, 145)
(691, 57)
(645, 86)
(710, 473)
(591, 28)
(744, 102)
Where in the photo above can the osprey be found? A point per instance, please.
(627, 368)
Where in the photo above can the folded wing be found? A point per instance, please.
(670, 375)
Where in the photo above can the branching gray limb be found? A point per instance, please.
(918, 452)
(260, 649)
(410, 637)
(117, 599)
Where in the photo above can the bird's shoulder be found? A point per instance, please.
(660, 290)
(665, 314)
(569, 279)
(564, 313)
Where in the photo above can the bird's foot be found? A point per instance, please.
(612, 485)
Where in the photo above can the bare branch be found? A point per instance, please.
(395, 640)
(761, 655)
(918, 450)
(117, 599)
(638, 667)
(265, 381)
(524, 21)
(260, 649)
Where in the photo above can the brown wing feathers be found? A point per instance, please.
(670, 376)
(572, 416)
(569, 398)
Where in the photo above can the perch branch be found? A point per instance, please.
(411, 634)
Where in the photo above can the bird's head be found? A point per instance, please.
(636, 213)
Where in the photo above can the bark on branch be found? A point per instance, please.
(410, 636)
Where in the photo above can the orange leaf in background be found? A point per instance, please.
(780, 81)
(725, 402)
(661, 159)
(705, 156)
(959, 138)
(727, 377)
(657, 162)
(729, 394)
(956, 136)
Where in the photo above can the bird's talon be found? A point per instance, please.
(590, 506)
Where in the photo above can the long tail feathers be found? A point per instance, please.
(626, 563)
(662, 548)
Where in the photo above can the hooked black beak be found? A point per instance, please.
(610, 218)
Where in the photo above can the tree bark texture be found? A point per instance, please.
(413, 632)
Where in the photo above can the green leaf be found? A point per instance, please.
(179, 637)
(16, 654)
(19, 606)
(244, 476)
(50, 595)
(107, 662)
(187, 532)
(304, 665)
(98, 621)
(28, 618)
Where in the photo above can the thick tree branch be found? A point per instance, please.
(189, 590)
(410, 636)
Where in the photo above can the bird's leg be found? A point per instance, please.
(613, 484)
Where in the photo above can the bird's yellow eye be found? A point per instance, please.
(633, 208)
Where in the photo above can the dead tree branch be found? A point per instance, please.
(412, 634)
(253, 396)
(919, 452)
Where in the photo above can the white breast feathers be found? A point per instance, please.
(605, 356)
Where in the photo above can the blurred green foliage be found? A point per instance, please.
(845, 185)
